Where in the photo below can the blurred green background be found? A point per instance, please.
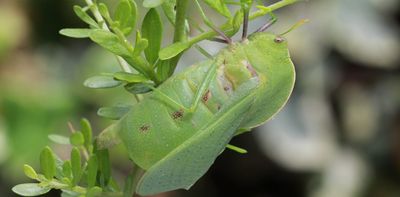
(339, 135)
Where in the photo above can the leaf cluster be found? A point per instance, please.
(86, 174)
(144, 63)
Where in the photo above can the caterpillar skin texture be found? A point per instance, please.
(253, 81)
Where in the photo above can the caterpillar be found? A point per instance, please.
(178, 130)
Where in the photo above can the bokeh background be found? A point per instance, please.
(339, 135)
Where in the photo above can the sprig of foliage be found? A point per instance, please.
(86, 173)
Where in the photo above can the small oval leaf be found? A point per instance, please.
(30, 172)
(68, 193)
(128, 185)
(92, 168)
(86, 130)
(219, 6)
(48, 163)
(173, 50)
(94, 191)
(103, 159)
(77, 139)
(125, 14)
(138, 88)
(76, 165)
(129, 77)
(103, 9)
(152, 30)
(109, 41)
(30, 189)
(140, 44)
(84, 16)
(59, 139)
(152, 3)
(115, 112)
(67, 169)
(101, 82)
(75, 32)
(168, 8)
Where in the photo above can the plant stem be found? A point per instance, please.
(93, 8)
(180, 21)
(180, 30)
(137, 174)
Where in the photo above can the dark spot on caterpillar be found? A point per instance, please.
(206, 96)
(218, 107)
(249, 68)
(144, 128)
(279, 39)
(226, 88)
(177, 114)
(174, 7)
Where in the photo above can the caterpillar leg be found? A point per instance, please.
(268, 24)
(205, 84)
(208, 22)
(168, 99)
(246, 5)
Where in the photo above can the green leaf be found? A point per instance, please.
(140, 44)
(76, 32)
(109, 41)
(48, 163)
(103, 159)
(113, 185)
(30, 172)
(138, 88)
(94, 191)
(77, 139)
(125, 14)
(92, 168)
(128, 187)
(84, 16)
(101, 82)
(129, 77)
(219, 6)
(152, 30)
(67, 169)
(104, 12)
(86, 130)
(115, 112)
(168, 8)
(59, 139)
(173, 50)
(76, 165)
(59, 170)
(237, 20)
(152, 3)
(68, 193)
(163, 69)
(30, 189)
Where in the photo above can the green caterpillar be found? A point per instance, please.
(177, 131)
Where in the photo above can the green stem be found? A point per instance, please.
(96, 13)
(180, 30)
(138, 173)
(180, 21)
